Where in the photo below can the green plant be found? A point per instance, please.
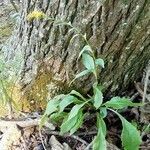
(74, 119)
(78, 105)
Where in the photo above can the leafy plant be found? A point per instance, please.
(79, 105)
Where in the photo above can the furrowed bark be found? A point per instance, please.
(117, 32)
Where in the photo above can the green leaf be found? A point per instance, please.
(68, 124)
(130, 136)
(73, 92)
(73, 121)
(67, 100)
(101, 124)
(103, 112)
(57, 117)
(78, 123)
(119, 103)
(98, 97)
(80, 75)
(88, 62)
(74, 111)
(51, 107)
(85, 48)
(53, 104)
(100, 141)
(99, 62)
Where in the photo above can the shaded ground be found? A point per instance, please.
(31, 138)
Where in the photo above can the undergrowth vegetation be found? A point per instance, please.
(70, 110)
(9, 70)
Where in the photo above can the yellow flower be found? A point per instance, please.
(35, 15)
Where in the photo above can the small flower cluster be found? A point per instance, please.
(35, 15)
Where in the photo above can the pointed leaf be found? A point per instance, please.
(130, 136)
(68, 99)
(68, 124)
(74, 111)
(78, 123)
(119, 103)
(80, 75)
(88, 62)
(100, 141)
(101, 124)
(103, 112)
(99, 62)
(52, 105)
(98, 97)
(58, 117)
(85, 48)
(73, 92)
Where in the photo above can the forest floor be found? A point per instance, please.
(21, 131)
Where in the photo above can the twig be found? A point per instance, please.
(14, 5)
(134, 96)
(79, 139)
(68, 135)
(89, 146)
(110, 146)
(146, 84)
(42, 140)
(86, 133)
(139, 89)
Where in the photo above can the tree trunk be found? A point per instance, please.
(117, 31)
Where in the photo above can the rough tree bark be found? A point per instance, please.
(118, 32)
